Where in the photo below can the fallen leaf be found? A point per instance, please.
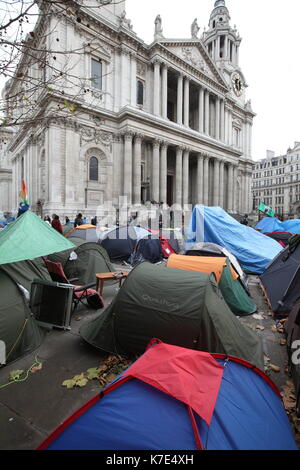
(93, 373)
(274, 368)
(259, 327)
(69, 383)
(15, 374)
(81, 383)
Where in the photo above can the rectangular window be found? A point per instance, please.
(97, 74)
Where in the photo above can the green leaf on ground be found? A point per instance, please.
(93, 373)
(15, 374)
(69, 383)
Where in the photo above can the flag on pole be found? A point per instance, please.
(23, 192)
(267, 210)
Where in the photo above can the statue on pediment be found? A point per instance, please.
(195, 29)
(125, 22)
(158, 27)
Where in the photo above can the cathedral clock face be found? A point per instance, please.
(237, 84)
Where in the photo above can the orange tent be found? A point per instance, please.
(203, 264)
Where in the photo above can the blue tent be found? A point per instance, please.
(253, 249)
(174, 398)
(271, 224)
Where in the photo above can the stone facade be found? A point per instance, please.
(276, 182)
(167, 122)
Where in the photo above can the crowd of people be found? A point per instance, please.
(57, 225)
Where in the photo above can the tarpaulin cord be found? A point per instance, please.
(195, 429)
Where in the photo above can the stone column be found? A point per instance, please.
(200, 179)
(221, 201)
(178, 198)
(218, 47)
(128, 166)
(186, 101)
(155, 171)
(137, 169)
(217, 132)
(230, 188)
(206, 113)
(163, 172)
(201, 110)
(179, 98)
(164, 104)
(222, 123)
(185, 177)
(235, 189)
(205, 181)
(133, 79)
(216, 182)
(156, 91)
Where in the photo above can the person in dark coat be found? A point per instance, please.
(78, 221)
(56, 224)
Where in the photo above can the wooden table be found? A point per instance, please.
(101, 278)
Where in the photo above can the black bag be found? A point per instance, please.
(95, 301)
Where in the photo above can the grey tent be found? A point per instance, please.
(18, 329)
(282, 277)
(83, 262)
(179, 307)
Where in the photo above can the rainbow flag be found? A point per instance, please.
(23, 193)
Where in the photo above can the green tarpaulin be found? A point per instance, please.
(29, 237)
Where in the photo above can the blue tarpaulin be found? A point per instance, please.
(253, 249)
(271, 224)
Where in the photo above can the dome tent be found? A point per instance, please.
(176, 398)
(179, 307)
(22, 244)
(83, 262)
(120, 242)
(236, 297)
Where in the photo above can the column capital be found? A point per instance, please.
(157, 143)
(186, 149)
(156, 61)
(128, 135)
(179, 148)
(139, 137)
(165, 144)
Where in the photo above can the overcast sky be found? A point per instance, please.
(269, 57)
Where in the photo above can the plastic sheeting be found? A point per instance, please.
(271, 224)
(253, 249)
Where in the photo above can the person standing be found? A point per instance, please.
(56, 224)
(78, 221)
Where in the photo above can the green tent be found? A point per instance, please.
(179, 307)
(29, 237)
(90, 258)
(18, 329)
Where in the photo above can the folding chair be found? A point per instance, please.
(79, 292)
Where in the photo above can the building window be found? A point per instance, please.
(97, 74)
(93, 169)
(140, 93)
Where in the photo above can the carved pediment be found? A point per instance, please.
(194, 54)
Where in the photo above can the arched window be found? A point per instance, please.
(93, 169)
(140, 93)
